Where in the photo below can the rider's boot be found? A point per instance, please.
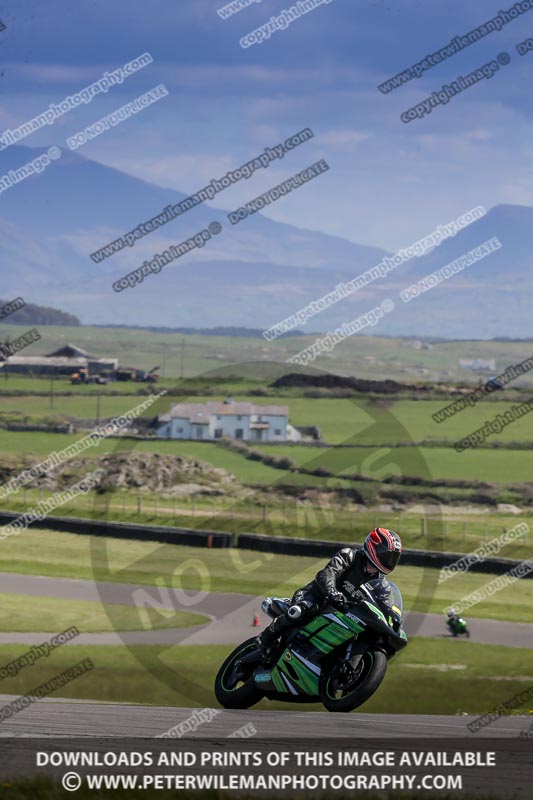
(268, 638)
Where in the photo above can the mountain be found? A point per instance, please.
(253, 274)
(80, 204)
(490, 298)
(221, 330)
(31, 314)
(50, 223)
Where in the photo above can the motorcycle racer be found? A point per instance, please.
(337, 583)
(452, 617)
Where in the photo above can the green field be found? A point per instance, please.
(435, 463)
(448, 677)
(371, 357)
(341, 420)
(42, 444)
(77, 406)
(416, 417)
(60, 385)
(388, 421)
(31, 613)
(247, 472)
(374, 428)
(227, 570)
(391, 437)
(498, 465)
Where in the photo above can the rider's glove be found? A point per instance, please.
(337, 599)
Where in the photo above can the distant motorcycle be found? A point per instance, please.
(458, 627)
(338, 658)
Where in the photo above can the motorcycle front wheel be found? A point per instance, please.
(342, 689)
(234, 683)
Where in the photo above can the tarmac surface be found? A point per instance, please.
(230, 616)
(53, 718)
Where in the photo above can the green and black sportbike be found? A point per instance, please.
(339, 658)
(458, 627)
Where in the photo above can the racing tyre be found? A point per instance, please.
(234, 684)
(343, 690)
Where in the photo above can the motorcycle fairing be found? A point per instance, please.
(297, 669)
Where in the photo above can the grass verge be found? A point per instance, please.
(68, 555)
(28, 613)
(451, 677)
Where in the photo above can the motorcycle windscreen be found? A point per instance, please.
(387, 597)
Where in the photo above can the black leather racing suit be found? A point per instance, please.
(344, 573)
(451, 621)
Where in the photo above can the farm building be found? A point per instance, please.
(238, 420)
(64, 361)
(68, 351)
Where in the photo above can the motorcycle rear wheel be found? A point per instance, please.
(235, 687)
(371, 671)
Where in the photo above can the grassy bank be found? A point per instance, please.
(449, 677)
(55, 554)
(22, 613)
(446, 529)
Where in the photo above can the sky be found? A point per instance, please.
(389, 182)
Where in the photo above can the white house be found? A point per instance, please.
(215, 419)
(478, 364)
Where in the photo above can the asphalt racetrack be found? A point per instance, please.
(83, 718)
(231, 615)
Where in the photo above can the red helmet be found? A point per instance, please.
(383, 548)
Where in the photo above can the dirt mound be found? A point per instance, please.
(339, 382)
(163, 473)
(147, 472)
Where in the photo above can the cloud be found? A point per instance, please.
(186, 173)
(518, 192)
(342, 138)
(459, 142)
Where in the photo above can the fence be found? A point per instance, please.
(246, 541)
(289, 517)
